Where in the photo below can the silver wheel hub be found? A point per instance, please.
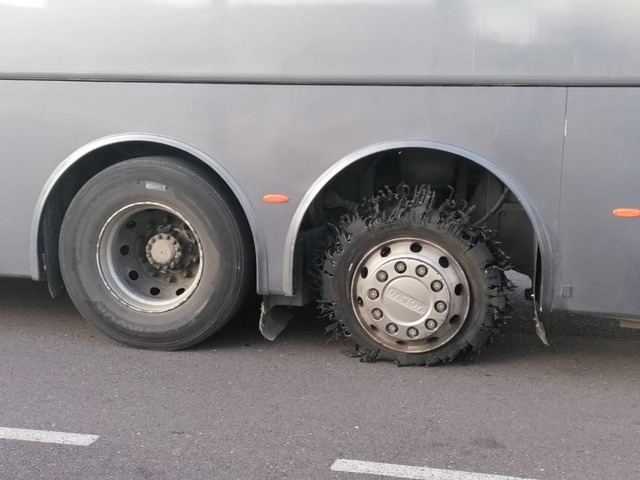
(163, 250)
(149, 257)
(410, 295)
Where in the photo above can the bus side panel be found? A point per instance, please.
(598, 252)
(323, 41)
(272, 139)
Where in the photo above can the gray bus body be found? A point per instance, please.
(281, 96)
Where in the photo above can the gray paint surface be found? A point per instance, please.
(274, 136)
(395, 41)
(598, 252)
(284, 155)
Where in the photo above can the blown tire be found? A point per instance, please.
(413, 282)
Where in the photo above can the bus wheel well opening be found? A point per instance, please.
(73, 179)
(448, 174)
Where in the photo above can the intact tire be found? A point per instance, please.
(412, 282)
(156, 253)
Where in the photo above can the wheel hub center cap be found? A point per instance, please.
(407, 300)
(163, 250)
(410, 295)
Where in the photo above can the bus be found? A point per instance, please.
(387, 159)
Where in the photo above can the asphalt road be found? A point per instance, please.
(240, 407)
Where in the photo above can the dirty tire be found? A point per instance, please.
(195, 281)
(413, 213)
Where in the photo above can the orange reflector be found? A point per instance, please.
(275, 198)
(626, 212)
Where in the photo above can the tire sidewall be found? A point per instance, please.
(477, 321)
(211, 302)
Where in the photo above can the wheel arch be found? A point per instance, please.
(82, 154)
(540, 231)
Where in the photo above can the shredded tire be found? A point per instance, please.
(417, 210)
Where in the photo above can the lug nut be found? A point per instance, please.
(412, 332)
(431, 324)
(441, 307)
(392, 328)
(373, 294)
(382, 276)
(401, 267)
(436, 285)
(421, 270)
(377, 313)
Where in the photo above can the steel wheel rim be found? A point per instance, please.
(410, 295)
(149, 257)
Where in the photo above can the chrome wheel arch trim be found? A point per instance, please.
(56, 175)
(542, 235)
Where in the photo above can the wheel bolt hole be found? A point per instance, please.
(382, 276)
(422, 271)
(133, 275)
(431, 324)
(364, 272)
(373, 294)
(412, 332)
(377, 313)
(155, 291)
(124, 250)
(436, 285)
(458, 289)
(385, 251)
(440, 306)
(416, 247)
(392, 328)
(444, 262)
(179, 291)
(401, 267)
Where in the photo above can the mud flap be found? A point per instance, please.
(274, 319)
(540, 331)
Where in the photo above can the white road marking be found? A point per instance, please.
(44, 436)
(406, 471)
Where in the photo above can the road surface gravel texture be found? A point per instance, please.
(240, 407)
